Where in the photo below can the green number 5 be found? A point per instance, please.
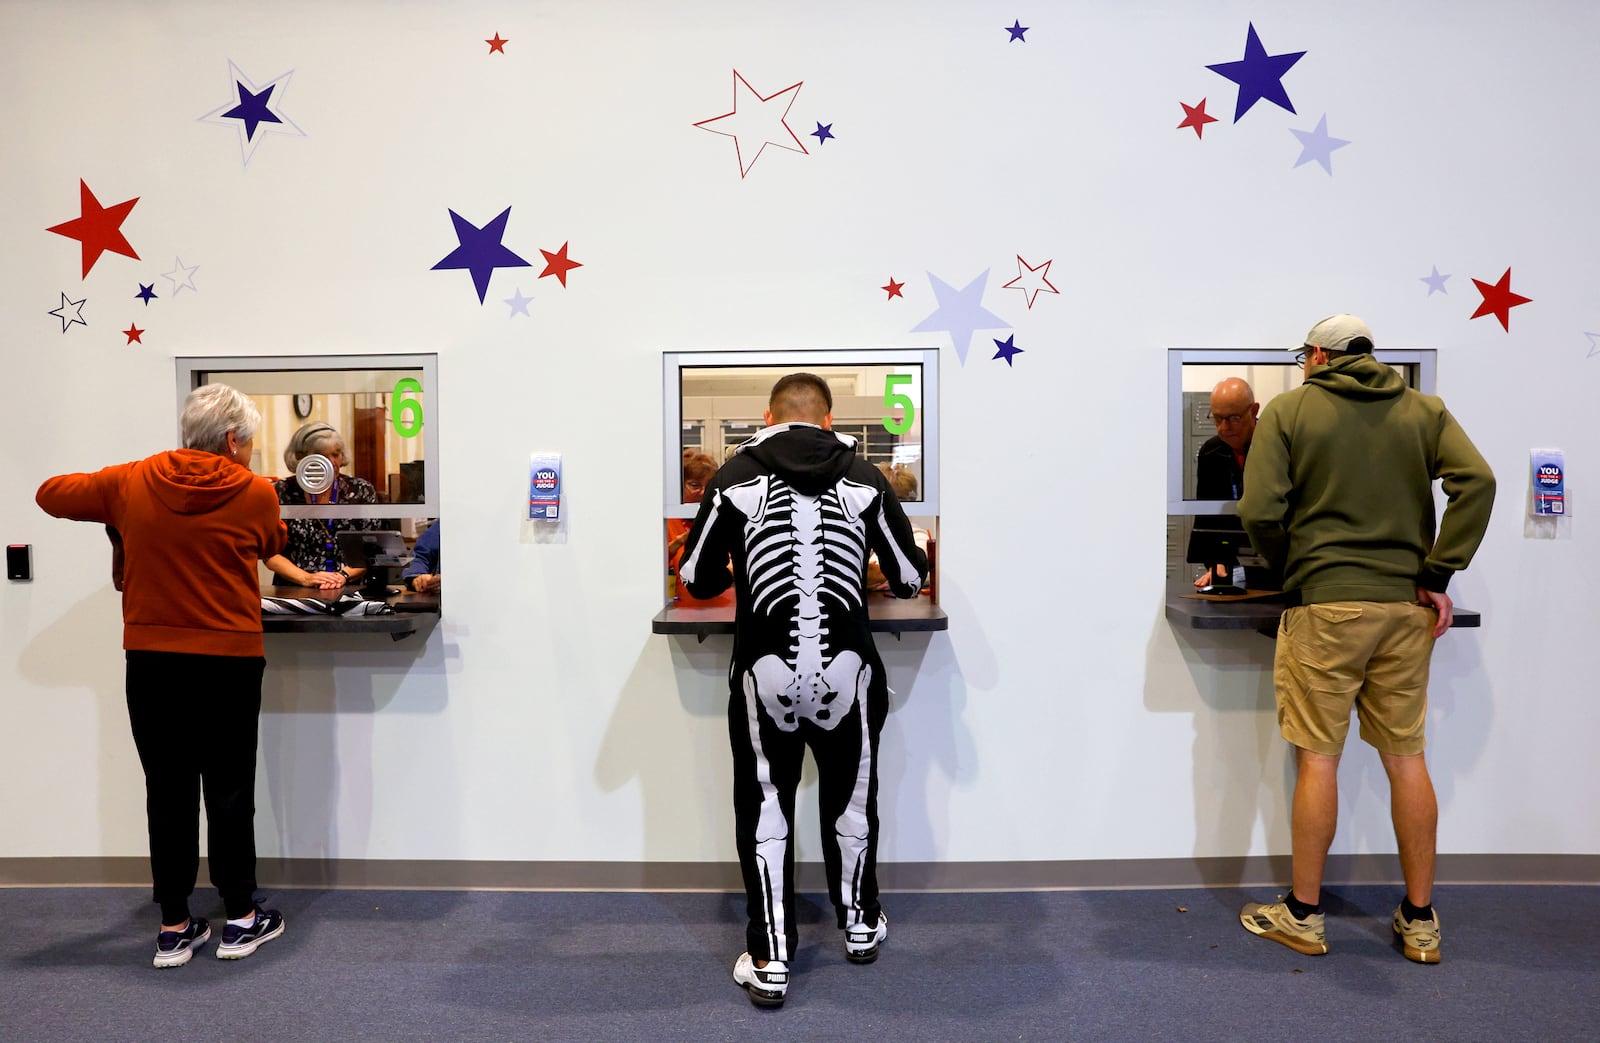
(408, 411)
(892, 398)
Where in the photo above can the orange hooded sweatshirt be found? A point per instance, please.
(193, 525)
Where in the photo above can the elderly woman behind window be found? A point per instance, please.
(312, 558)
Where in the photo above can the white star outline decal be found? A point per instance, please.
(76, 318)
(756, 127)
(188, 276)
(249, 143)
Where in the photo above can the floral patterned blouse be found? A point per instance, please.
(314, 542)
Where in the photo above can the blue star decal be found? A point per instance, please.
(1594, 344)
(1318, 145)
(252, 109)
(1016, 29)
(146, 293)
(822, 133)
(1007, 349)
(960, 313)
(480, 251)
(1435, 282)
(1258, 74)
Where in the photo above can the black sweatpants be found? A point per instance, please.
(766, 773)
(195, 721)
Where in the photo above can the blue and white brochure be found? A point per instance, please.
(1549, 483)
(544, 487)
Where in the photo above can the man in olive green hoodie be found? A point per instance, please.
(1339, 494)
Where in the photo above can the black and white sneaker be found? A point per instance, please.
(239, 942)
(175, 948)
(767, 985)
(861, 942)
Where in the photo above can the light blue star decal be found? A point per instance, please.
(519, 304)
(1594, 343)
(960, 313)
(1435, 282)
(1318, 145)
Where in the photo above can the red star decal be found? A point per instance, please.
(894, 289)
(1195, 116)
(98, 228)
(497, 45)
(132, 333)
(1498, 300)
(556, 264)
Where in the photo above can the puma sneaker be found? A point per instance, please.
(767, 985)
(861, 942)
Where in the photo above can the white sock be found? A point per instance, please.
(248, 921)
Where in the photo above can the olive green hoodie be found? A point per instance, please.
(1338, 488)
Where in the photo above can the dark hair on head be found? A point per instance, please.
(800, 395)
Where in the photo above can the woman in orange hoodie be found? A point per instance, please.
(192, 524)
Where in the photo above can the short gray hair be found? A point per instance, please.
(309, 439)
(213, 410)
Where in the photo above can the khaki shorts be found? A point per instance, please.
(1372, 655)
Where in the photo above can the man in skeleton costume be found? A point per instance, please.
(798, 512)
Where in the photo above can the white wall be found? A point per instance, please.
(1060, 717)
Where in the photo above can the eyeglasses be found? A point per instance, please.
(1304, 353)
(1227, 418)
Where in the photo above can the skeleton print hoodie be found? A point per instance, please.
(797, 512)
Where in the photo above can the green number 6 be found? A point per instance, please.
(891, 398)
(408, 411)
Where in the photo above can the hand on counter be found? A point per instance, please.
(428, 584)
(324, 580)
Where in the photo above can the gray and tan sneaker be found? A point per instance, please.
(767, 986)
(1419, 938)
(1273, 920)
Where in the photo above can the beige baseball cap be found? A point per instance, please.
(1339, 333)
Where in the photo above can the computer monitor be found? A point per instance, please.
(1220, 540)
(379, 551)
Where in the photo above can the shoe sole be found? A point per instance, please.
(1304, 946)
(239, 952)
(166, 961)
(764, 997)
(862, 957)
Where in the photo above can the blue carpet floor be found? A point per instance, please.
(1520, 963)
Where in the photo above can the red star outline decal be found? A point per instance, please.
(497, 45)
(1032, 289)
(1195, 116)
(132, 333)
(98, 228)
(893, 289)
(556, 264)
(1498, 300)
(783, 121)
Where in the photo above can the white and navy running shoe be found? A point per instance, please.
(239, 942)
(174, 948)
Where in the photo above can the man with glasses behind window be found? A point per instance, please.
(1219, 466)
(1341, 497)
